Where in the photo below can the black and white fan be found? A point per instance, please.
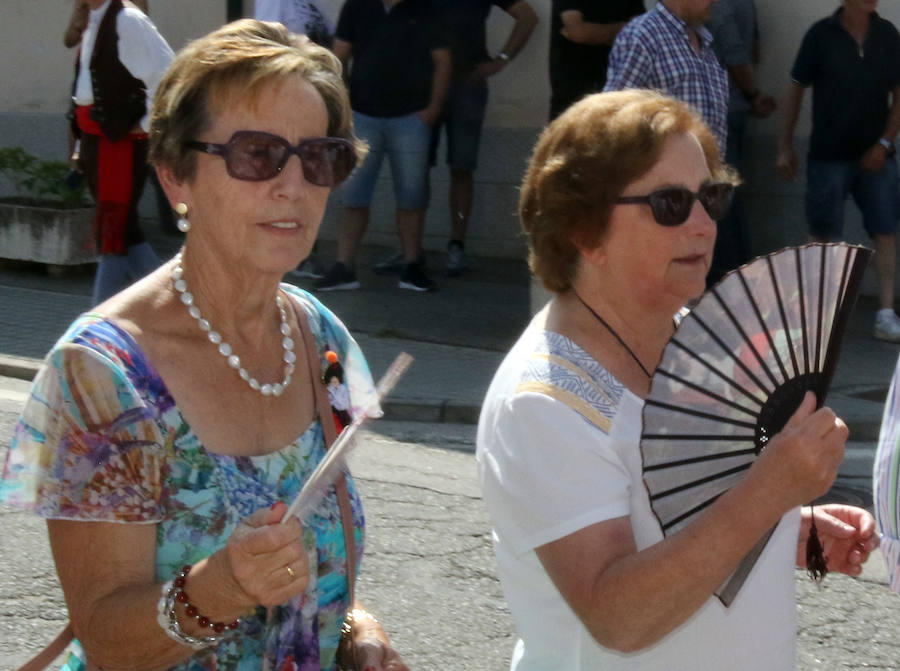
(735, 371)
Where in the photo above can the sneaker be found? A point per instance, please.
(457, 263)
(394, 264)
(413, 278)
(309, 269)
(390, 264)
(887, 325)
(338, 278)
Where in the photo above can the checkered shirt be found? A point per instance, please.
(654, 52)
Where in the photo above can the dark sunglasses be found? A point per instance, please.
(254, 156)
(672, 206)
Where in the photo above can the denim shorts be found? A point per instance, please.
(463, 117)
(876, 194)
(405, 141)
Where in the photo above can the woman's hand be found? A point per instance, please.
(800, 463)
(259, 553)
(847, 534)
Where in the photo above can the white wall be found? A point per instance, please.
(36, 70)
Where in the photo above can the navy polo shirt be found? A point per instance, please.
(850, 85)
(391, 70)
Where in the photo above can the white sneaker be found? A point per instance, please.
(887, 325)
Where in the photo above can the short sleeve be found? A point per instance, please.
(86, 446)
(630, 64)
(805, 64)
(547, 472)
(346, 26)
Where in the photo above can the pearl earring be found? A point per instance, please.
(183, 224)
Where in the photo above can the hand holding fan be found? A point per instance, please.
(333, 461)
(735, 371)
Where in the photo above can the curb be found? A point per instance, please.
(19, 367)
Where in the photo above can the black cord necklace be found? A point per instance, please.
(614, 334)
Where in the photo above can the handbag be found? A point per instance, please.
(346, 651)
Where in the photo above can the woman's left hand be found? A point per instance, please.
(847, 534)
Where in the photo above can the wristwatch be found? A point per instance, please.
(503, 56)
(887, 144)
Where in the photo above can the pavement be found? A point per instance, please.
(457, 335)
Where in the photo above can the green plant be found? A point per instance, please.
(39, 180)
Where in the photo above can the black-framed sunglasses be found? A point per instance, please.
(254, 156)
(672, 206)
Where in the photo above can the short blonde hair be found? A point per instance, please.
(237, 61)
(582, 163)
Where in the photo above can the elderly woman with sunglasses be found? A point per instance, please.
(619, 204)
(169, 427)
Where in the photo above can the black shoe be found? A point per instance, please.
(457, 263)
(414, 279)
(338, 278)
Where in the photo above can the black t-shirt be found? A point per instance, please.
(850, 85)
(466, 23)
(391, 65)
(577, 69)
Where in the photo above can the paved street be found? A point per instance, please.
(429, 573)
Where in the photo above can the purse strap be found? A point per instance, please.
(326, 417)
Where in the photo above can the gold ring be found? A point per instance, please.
(291, 572)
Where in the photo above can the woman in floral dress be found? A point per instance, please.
(169, 427)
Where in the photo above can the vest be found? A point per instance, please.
(120, 99)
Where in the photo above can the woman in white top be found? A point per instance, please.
(590, 579)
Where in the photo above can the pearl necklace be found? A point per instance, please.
(287, 343)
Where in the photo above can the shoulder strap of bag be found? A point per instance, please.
(323, 407)
(46, 656)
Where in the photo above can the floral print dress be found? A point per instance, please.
(101, 439)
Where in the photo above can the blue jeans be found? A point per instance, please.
(405, 141)
(876, 194)
(117, 271)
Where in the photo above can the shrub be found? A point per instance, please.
(40, 182)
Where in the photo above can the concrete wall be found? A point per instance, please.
(36, 74)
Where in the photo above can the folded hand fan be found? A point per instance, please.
(735, 371)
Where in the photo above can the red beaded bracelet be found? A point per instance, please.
(190, 609)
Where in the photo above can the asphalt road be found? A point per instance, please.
(429, 573)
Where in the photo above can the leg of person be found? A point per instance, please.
(877, 196)
(732, 246)
(827, 185)
(466, 119)
(111, 277)
(356, 196)
(142, 260)
(407, 148)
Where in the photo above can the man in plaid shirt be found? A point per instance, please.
(669, 50)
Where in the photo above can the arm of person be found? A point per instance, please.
(525, 21)
(343, 50)
(77, 23)
(873, 160)
(629, 599)
(440, 82)
(144, 53)
(787, 159)
(576, 29)
(107, 573)
(744, 76)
